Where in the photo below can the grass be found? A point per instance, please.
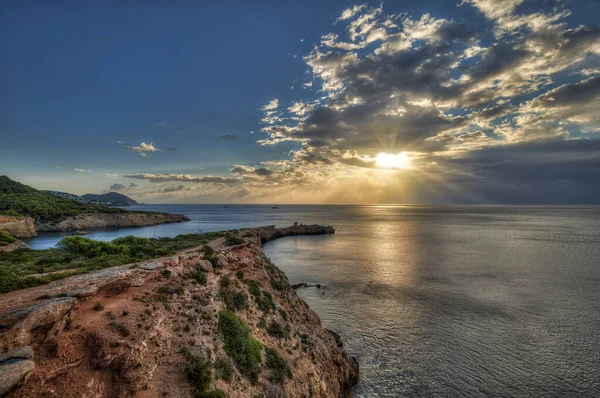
(245, 351)
(279, 367)
(76, 255)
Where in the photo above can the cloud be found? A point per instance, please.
(82, 170)
(272, 105)
(178, 188)
(116, 187)
(120, 187)
(440, 89)
(143, 149)
(158, 177)
(228, 137)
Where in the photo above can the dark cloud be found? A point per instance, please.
(178, 188)
(170, 149)
(229, 137)
(116, 187)
(158, 177)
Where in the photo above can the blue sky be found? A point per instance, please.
(165, 95)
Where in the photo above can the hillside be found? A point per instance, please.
(43, 207)
(214, 321)
(110, 199)
(53, 213)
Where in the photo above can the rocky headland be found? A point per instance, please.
(87, 221)
(215, 321)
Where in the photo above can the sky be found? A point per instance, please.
(408, 102)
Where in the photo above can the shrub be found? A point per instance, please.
(225, 281)
(233, 240)
(275, 330)
(6, 238)
(119, 327)
(234, 300)
(239, 275)
(198, 371)
(207, 250)
(224, 369)
(253, 287)
(199, 277)
(278, 366)
(91, 248)
(240, 345)
(171, 290)
(266, 303)
(98, 306)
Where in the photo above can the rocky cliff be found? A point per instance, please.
(210, 322)
(19, 227)
(109, 220)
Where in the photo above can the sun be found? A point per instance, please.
(390, 161)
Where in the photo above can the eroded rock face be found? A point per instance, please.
(22, 326)
(19, 227)
(15, 368)
(126, 336)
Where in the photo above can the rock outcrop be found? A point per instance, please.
(111, 220)
(159, 328)
(15, 368)
(19, 227)
(13, 246)
(271, 232)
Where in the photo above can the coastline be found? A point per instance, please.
(311, 352)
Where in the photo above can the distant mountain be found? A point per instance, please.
(110, 199)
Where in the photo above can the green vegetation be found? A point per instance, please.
(198, 370)
(275, 330)
(43, 207)
(6, 239)
(207, 250)
(98, 307)
(224, 369)
(278, 366)
(199, 277)
(76, 255)
(231, 240)
(233, 299)
(240, 345)
(266, 303)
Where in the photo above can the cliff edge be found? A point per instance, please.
(219, 320)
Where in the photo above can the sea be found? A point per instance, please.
(438, 301)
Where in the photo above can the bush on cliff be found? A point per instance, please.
(6, 239)
(278, 366)
(240, 345)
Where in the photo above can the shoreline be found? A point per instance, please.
(274, 303)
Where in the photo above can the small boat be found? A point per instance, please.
(275, 207)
